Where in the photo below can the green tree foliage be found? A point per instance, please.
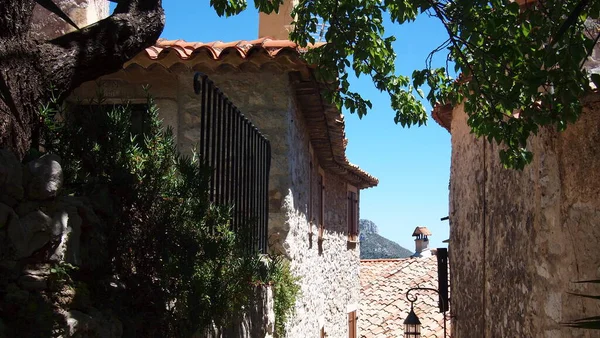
(520, 67)
(181, 266)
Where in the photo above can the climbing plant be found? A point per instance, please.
(286, 289)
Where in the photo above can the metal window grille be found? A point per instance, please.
(240, 157)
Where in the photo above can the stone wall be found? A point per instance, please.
(518, 240)
(258, 319)
(328, 268)
(40, 231)
(328, 271)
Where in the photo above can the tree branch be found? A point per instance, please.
(29, 68)
(15, 18)
(102, 48)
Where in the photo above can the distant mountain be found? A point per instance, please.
(374, 246)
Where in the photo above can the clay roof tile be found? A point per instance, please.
(185, 49)
(384, 283)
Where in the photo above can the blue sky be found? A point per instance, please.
(412, 165)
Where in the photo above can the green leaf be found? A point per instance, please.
(525, 29)
(501, 60)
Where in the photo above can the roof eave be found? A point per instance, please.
(442, 114)
(325, 122)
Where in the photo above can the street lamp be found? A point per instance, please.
(412, 325)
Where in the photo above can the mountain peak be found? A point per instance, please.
(368, 227)
(374, 246)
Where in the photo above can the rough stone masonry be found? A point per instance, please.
(519, 240)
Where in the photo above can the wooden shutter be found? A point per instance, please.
(352, 216)
(355, 214)
(310, 195)
(352, 325)
(321, 200)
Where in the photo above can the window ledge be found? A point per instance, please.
(353, 240)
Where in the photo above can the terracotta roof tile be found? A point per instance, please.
(383, 304)
(325, 123)
(187, 50)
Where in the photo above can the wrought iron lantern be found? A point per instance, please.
(412, 325)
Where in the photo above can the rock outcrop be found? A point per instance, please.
(375, 246)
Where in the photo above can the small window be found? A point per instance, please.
(352, 214)
(352, 325)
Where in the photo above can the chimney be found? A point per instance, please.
(277, 25)
(421, 242)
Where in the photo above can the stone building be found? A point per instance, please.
(313, 189)
(519, 240)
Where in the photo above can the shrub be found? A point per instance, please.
(180, 266)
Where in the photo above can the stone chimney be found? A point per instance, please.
(47, 25)
(421, 242)
(277, 25)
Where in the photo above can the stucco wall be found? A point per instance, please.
(328, 277)
(277, 25)
(520, 239)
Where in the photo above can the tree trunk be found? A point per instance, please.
(21, 96)
(30, 68)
